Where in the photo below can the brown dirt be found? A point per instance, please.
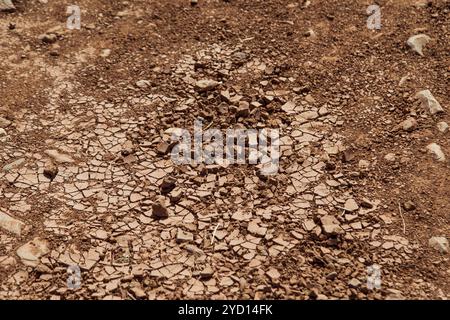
(66, 96)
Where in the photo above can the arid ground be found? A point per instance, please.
(92, 206)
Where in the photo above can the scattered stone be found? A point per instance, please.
(439, 243)
(206, 85)
(321, 190)
(310, 99)
(309, 225)
(330, 225)
(176, 196)
(268, 169)
(159, 209)
(409, 205)
(310, 33)
(128, 148)
(31, 252)
(48, 38)
(2, 133)
(7, 6)
(101, 234)
(323, 111)
(59, 157)
(10, 224)
(351, 205)
(240, 55)
(7, 261)
(50, 170)
(417, 42)
(366, 203)
(409, 124)
(4, 123)
(164, 148)
(243, 109)
(288, 107)
(442, 127)
(143, 84)
(429, 102)
(20, 276)
(207, 272)
(354, 283)
(240, 215)
(167, 185)
(309, 115)
(394, 294)
(13, 165)
(390, 157)
(193, 249)
(273, 274)
(255, 229)
(183, 236)
(437, 151)
(105, 53)
(137, 290)
(363, 164)
(348, 155)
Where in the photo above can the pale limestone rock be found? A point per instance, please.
(417, 42)
(429, 102)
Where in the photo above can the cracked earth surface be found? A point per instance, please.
(87, 179)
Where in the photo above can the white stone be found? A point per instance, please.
(437, 151)
(417, 42)
(351, 205)
(442, 127)
(105, 53)
(206, 85)
(4, 123)
(10, 224)
(429, 102)
(439, 243)
(390, 157)
(288, 107)
(409, 124)
(59, 157)
(143, 84)
(7, 5)
(330, 225)
(32, 251)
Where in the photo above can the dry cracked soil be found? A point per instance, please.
(92, 205)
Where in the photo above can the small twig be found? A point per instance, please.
(214, 234)
(403, 220)
(209, 125)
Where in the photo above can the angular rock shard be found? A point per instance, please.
(159, 209)
(206, 85)
(331, 226)
(32, 251)
(439, 243)
(10, 224)
(417, 42)
(442, 127)
(437, 151)
(58, 156)
(7, 6)
(429, 102)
